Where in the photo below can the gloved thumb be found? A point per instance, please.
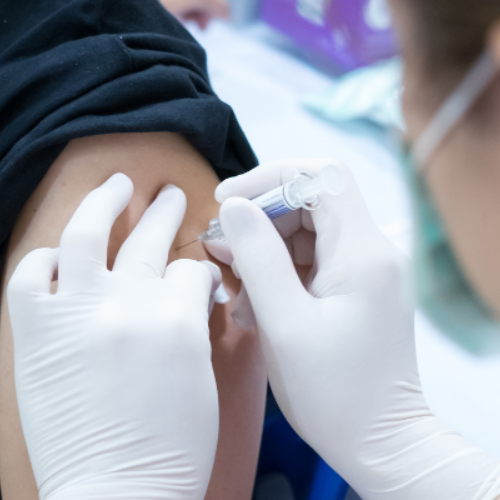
(34, 274)
(263, 260)
(31, 280)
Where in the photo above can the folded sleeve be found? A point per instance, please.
(71, 69)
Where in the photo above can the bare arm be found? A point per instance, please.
(151, 160)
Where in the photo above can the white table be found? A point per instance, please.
(258, 74)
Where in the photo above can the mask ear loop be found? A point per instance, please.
(455, 108)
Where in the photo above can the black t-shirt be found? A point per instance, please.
(74, 68)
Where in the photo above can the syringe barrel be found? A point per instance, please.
(330, 179)
(276, 202)
(291, 196)
(310, 189)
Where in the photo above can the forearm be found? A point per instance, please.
(151, 161)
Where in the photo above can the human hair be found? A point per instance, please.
(453, 33)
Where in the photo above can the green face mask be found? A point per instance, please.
(443, 291)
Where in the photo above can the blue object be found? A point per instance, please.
(327, 484)
(283, 451)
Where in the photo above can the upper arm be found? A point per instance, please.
(151, 160)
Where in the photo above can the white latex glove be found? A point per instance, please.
(114, 380)
(340, 353)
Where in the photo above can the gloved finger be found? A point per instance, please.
(33, 275)
(84, 242)
(145, 251)
(193, 283)
(262, 258)
(259, 180)
(267, 176)
(343, 226)
(300, 244)
(220, 250)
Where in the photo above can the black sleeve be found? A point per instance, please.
(76, 68)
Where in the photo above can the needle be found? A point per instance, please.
(190, 243)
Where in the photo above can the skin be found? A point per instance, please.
(151, 160)
(464, 172)
(199, 11)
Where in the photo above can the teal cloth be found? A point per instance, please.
(372, 94)
(443, 291)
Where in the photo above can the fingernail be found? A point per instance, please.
(221, 296)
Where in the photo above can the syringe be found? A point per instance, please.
(301, 192)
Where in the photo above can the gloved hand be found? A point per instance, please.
(113, 373)
(340, 350)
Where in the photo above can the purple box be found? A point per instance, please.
(353, 33)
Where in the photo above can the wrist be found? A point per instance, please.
(426, 459)
(154, 485)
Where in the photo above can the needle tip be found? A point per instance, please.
(187, 244)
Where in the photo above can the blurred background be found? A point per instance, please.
(321, 78)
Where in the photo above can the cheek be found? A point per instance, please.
(468, 200)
